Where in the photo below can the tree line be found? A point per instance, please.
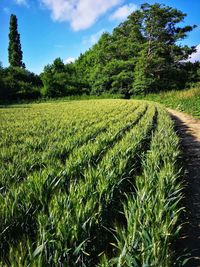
(142, 55)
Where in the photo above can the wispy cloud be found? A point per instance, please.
(81, 14)
(21, 2)
(123, 12)
(69, 60)
(6, 10)
(196, 55)
(93, 39)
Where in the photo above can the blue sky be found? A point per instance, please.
(66, 28)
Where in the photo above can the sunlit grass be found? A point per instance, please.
(184, 100)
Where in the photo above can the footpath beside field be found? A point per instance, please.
(189, 131)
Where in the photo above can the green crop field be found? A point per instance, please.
(88, 183)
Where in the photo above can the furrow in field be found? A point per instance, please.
(90, 154)
(92, 136)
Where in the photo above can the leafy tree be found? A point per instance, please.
(59, 80)
(49, 89)
(117, 55)
(161, 54)
(14, 50)
(18, 83)
(142, 79)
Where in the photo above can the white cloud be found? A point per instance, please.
(81, 14)
(69, 60)
(93, 39)
(196, 55)
(21, 2)
(123, 12)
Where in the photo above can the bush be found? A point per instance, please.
(18, 83)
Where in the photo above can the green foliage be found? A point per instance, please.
(142, 81)
(14, 50)
(161, 59)
(18, 83)
(59, 80)
(108, 65)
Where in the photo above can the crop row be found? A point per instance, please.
(152, 212)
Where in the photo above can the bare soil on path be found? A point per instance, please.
(188, 130)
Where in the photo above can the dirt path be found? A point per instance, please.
(188, 129)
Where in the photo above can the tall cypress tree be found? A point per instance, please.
(14, 50)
